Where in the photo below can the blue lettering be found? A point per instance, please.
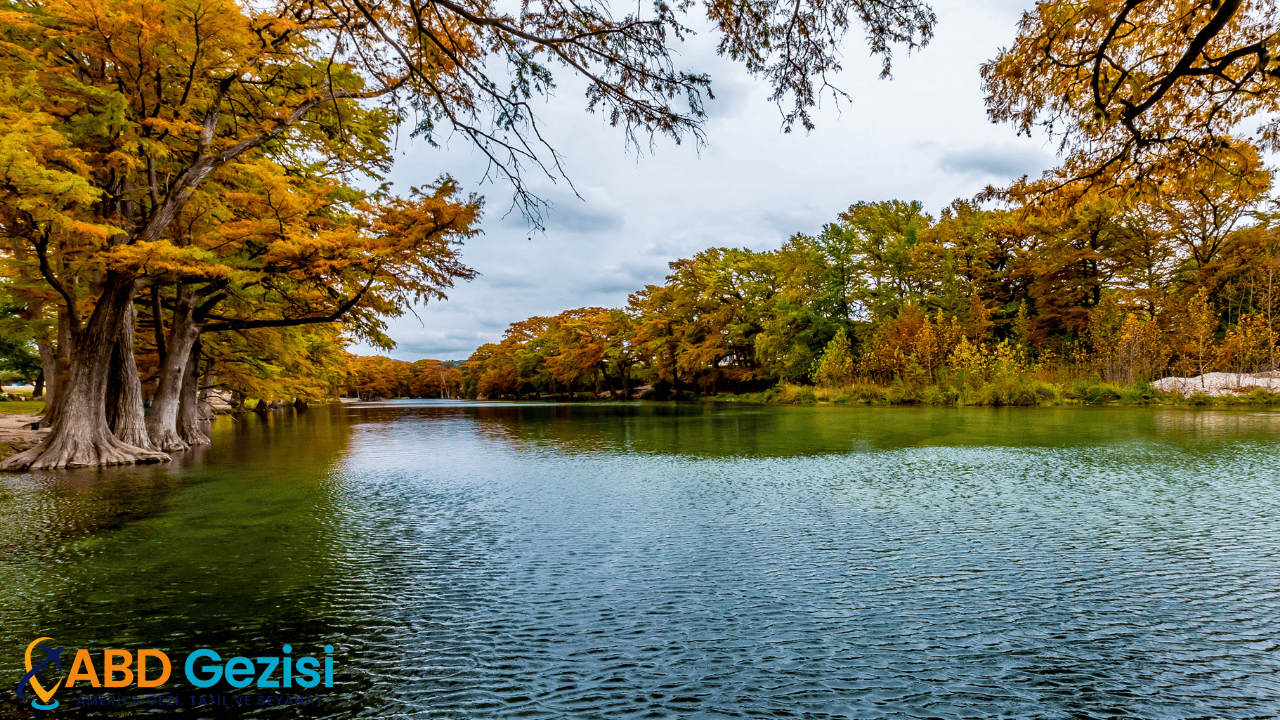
(215, 669)
(239, 672)
(271, 663)
(308, 677)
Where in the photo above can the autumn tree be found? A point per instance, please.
(1195, 334)
(1076, 249)
(118, 112)
(304, 361)
(1249, 346)
(298, 252)
(432, 378)
(835, 368)
(126, 131)
(1087, 281)
(1135, 87)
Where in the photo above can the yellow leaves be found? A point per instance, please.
(1157, 102)
(1249, 346)
(164, 259)
(914, 338)
(968, 360)
(44, 186)
(1126, 344)
(561, 351)
(883, 357)
(836, 366)
(84, 230)
(123, 162)
(279, 363)
(1194, 334)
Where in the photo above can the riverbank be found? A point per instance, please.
(16, 419)
(1010, 392)
(1229, 390)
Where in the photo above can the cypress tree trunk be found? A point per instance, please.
(162, 421)
(190, 419)
(60, 361)
(48, 369)
(128, 422)
(80, 435)
(613, 392)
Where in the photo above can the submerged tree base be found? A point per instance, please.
(72, 450)
(193, 434)
(168, 440)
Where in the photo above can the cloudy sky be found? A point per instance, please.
(921, 136)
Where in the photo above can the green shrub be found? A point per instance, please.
(869, 393)
(1102, 392)
(788, 394)
(1045, 393)
(1092, 392)
(805, 394)
(1141, 394)
(1262, 396)
(1017, 391)
(1005, 392)
(901, 393)
(932, 395)
(1077, 390)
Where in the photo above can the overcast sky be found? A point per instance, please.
(921, 136)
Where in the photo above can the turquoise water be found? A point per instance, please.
(595, 561)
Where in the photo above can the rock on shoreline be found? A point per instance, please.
(1217, 384)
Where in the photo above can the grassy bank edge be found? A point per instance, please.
(1011, 392)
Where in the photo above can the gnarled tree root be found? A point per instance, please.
(77, 450)
(168, 440)
(134, 434)
(193, 434)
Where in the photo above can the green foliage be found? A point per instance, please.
(790, 394)
(836, 366)
(18, 357)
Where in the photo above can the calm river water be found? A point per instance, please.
(493, 561)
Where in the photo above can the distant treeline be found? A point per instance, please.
(1120, 287)
(371, 377)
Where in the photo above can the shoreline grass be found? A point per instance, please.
(21, 407)
(1005, 392)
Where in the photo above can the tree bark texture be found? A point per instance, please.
(190, 420)
(60, 361)
(48, 369)
(128, 421)
(80, 435)
(162, 421)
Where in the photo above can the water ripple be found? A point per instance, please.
(544, 562)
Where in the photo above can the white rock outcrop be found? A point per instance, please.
(1215, 384)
